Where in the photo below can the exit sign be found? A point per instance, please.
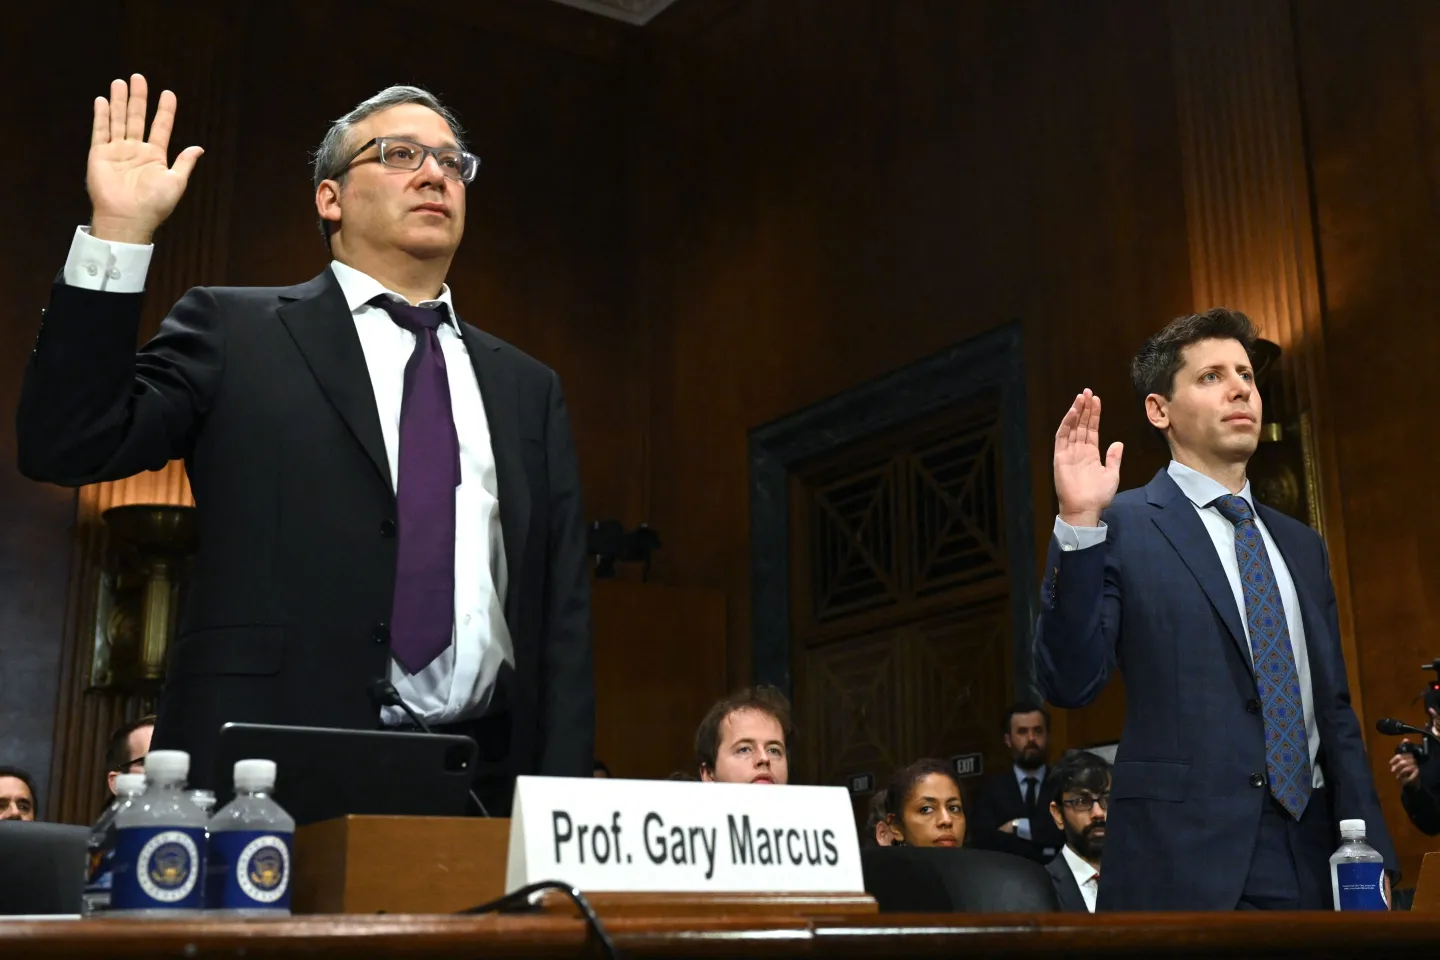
(968, 764)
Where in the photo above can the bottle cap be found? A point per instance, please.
(254, 774)
(167, 766)
(1352, 828)
(129, 784)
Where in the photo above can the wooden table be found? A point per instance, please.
(422, 937)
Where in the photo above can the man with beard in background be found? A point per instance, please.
(1009, 813)
(1080, 798)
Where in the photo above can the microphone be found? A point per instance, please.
(383, 692)
(1394, 728)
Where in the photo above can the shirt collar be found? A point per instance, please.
(1078, 865)
(360, 288)
(1021, 773)
(1202, 490)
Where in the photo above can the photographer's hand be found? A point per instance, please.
(1404, 767)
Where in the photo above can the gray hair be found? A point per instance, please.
(336, 146)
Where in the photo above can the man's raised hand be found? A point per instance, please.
(132, 189)
(1084, 484)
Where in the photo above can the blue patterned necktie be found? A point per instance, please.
(1287, 748)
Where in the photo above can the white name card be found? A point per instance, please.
(682, 837)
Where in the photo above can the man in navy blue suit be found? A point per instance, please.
(1240, 752)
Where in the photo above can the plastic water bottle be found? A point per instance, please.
(250, 842)
(1357, 871)
(204, 799)
(160, 844)
(100, 864)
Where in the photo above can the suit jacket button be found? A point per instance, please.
(1257, 780)
(387, 528)
(381, 633)
(1252, 705)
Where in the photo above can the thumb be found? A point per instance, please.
(1112, 457)
(185, 163)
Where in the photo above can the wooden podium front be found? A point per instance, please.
(363, 864)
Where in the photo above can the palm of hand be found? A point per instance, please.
(130, 179)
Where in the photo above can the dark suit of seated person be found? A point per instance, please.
(1009, 812)
(1079, 799)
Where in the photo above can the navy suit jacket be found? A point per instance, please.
(1153, 602)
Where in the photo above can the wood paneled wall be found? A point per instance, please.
(1370, 78)
(833, 190)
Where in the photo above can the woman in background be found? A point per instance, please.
(923, 806)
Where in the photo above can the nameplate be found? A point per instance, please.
(668, 836)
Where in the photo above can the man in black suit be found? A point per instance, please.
(1079, 801)
(385, 492)
(1009, 813)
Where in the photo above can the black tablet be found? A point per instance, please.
(323, 773)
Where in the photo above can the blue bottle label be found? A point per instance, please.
(158, 868)
(1360, 886)
(249, 869)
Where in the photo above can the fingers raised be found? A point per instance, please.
(164, 121)
(100, 125)
(185, 163)
(135, 111)
(1086, 412)
(118, 98)
(1066, 433)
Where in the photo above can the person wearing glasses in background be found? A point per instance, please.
(1080, 801)
(128, 748)
(389, 504)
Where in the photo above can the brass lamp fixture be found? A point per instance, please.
(1280, 471)
(153, 544)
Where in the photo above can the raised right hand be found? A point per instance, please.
(132, 189)
(1084, 484)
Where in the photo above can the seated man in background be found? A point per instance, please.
(745, 738)
(17, 794)
(923, 806)
(1009, 810)
(128, 748)
(1079, 800)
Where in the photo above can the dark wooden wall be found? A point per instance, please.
(1371, 91)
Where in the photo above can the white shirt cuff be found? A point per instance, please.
(107, 265)
(1078, 538)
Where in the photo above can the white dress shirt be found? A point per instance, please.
(1087, 878)
(1201, 490)
(460, 682)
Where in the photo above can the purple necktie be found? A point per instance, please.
(424, 613)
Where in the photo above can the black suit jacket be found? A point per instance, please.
(1067, 891)
(999, 800)
(265, 394)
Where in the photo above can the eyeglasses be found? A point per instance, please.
(1084, 804)
(400, 154)
(129, 765)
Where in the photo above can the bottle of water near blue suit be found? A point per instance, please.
(250, 842)
(100, 849)
(1357, 871)
(160, 844)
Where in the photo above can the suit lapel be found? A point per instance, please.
(1186, 532)
(320, 323)
(1289, 541)
(500, 393)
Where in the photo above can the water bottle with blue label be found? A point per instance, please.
(1357, 871)
(160, 844)
(250, 843)
(100, 849)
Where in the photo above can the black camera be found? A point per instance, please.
(1431, 697)
(1420, 751)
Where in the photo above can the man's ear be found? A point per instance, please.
(327, 201)
(897, 835)
(706, 775)
(1056, 815)
(1157, 411)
